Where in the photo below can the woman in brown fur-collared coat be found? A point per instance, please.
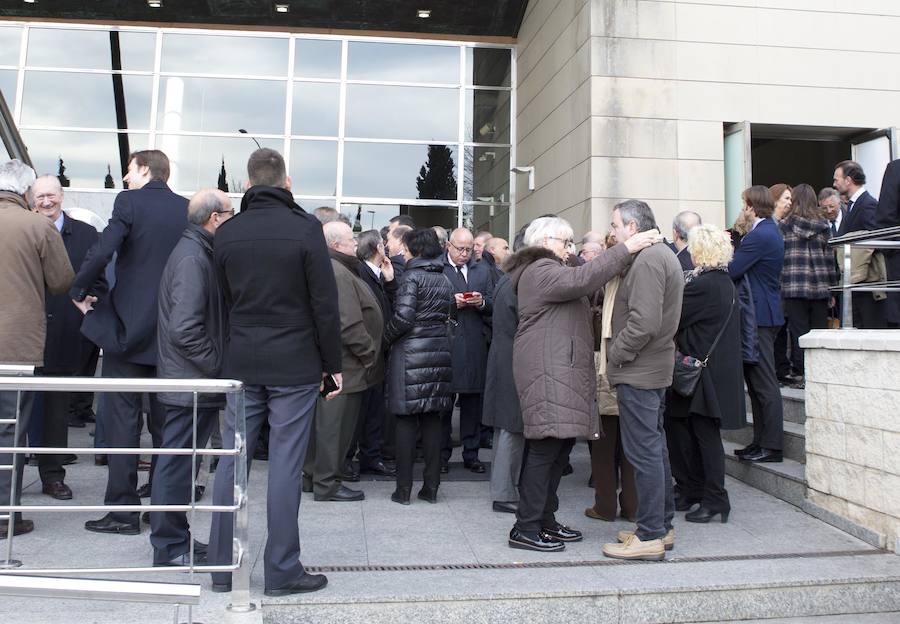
(554, 368)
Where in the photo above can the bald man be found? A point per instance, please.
(495, 252)
(190, 337)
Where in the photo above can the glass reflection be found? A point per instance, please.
(402, 171)
(8, 86)
(309, 204)
(377, 216)
(421, 113)
(317, 58)
(220, 105)
(210, 162)
(494, 219)
(487, 174)
(224, 54)
(316, 108)
(89, 49)
(487, 116)
(314, 167)
(402, 62)
(90, 159)
(84, 100)
(10, 41)
(488, 67)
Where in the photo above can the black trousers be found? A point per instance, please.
(408, 429)
(54, 433)
(698, 460)
(804, 315)
(122, 428)
(782, 361)
(868, 313)
(765, 395)
(469, 427)
(81, 404)
(542, 469)
(366, 444)
(174, 483)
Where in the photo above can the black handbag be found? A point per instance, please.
(686, 374)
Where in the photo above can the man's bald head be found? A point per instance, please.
(209, 208)
(47, 196)
(498, 248)
(339, 236)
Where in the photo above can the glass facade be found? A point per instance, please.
(373, 126)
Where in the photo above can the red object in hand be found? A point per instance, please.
(468, 295)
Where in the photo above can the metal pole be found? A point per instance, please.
(847, 294)
(240, 592)
(9, 562)
(190, 609)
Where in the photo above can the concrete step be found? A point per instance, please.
(686, 590)
(785, 480)
(794, 439)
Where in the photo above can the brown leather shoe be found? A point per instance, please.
(100, 460)
(590, 512)
(19, 528)
(57, 490)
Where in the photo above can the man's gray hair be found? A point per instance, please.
(442, 235)
(547, 227)
(827, 192)
(684, 221)
(204, 203)
(326, 214)
(638, 212)
(368, 242)
(16, 177)
(334, 231)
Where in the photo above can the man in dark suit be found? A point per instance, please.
(682, 224)
(146, 223)
(284, 339)
(761, 257)
(888, 215)
(66, 351)
(469, 345)
(394, 248)
(850, 182)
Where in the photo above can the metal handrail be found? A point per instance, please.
(16, 381)
(60, 587)
(882, 239)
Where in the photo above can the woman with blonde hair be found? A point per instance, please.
(693, 422)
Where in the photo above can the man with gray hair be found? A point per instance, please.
(683, 223)
(832, 207)
(32, 255)
(190, 337)
(327, 214)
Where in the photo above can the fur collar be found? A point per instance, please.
(526, 256)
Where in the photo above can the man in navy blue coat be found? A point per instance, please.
(760, 258)
(146, 223)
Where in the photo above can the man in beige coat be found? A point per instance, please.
(32, 257)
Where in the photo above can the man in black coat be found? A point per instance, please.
(146, 222)
(66, 351)
(682, 224)
(472, 288)
(394, 248)
(284, 339)
(191, 336)
(888, 215)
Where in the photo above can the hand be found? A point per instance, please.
(477, 300)
(338, 379)
(387, 269)
(461, 301)
(642, 240)
(86, 305)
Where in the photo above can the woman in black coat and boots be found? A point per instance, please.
(420, 364)
(693, 423)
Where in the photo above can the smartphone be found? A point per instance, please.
(468, 295)
(330, 385)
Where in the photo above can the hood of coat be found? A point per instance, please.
(433, 265)
(805, 228)
(258, 197)
(13, 198)
(351, 262)
(516, 264)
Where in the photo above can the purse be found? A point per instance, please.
(686, 374)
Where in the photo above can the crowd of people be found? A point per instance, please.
(356, 348)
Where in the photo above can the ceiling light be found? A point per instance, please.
(424, 13)
(30, 1)
(154, 4)
(282, 8)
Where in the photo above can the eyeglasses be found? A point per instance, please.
(564, 241)
(465, 250)
(224, 211)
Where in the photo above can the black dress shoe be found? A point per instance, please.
(747, 450)
(100, 460)
(144, 491)
(68, 459)
(567, 470)
(763, 455)
(261, 453)
(704, 515)
(199, 491)
(349, 473)
(379, 468)
(57, 490)
(221, 588)
(487, 444)
(19, 528)
(475, 466)
(445, 468)
(77, 423)
(428, 495)
(108, 524)
(684, 503)
(183, 560)
(563, 533)
(539, 541)
(505, 507)
(306, 583)
(401, 495)
(145, 518)
(342, 495)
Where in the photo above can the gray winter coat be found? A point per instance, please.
(553, 349)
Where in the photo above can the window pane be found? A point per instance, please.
(493, 218)
(402, 113)
(314, 167)
(97, 202)
(198, 162)
(316, 108)
(10, 40)
(488, 67)
(8, 86)
(376, 216)
(402, 62)
(311, 204)
(317, 58)
(85, 100)
(88, 157)
(221, 105)
(89, 49)
(487, 174)
(408, 171)
(487, 116)
(212, 54)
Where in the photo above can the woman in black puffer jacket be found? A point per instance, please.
(419, 366)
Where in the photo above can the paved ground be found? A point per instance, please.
(353, 541)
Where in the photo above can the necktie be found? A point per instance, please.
(849, 206)
(461, 274)
(833, 228)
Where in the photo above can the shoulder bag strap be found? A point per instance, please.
(722, 330)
